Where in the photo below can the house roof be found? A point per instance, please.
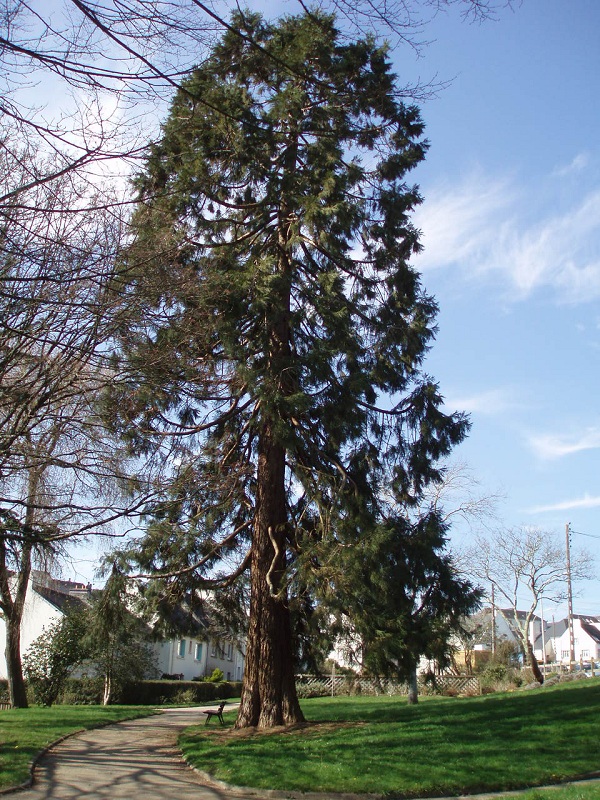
(185, 617)
(60, 600)
(591, 631)
(557, 629)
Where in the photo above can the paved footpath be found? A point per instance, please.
(134, 760)
(139, 760)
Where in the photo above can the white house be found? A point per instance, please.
(46, 601)
(193, 656)
(556, 640)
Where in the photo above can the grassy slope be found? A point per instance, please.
(442, 746)
(24, 732)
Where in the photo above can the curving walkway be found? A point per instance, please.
(134, 760)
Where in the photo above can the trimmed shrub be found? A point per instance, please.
(82, 691)
(160, 692)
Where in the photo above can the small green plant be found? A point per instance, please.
(53, 655)
(216, 676)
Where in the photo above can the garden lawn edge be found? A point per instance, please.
(277, 794)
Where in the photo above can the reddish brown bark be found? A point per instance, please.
(269, 694)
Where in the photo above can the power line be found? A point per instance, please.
(590, 535)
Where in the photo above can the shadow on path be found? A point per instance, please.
(132, 759)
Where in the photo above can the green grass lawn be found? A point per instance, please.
(578, 792)
(442, 746)
(26, 731)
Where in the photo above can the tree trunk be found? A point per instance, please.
(413, 688)
(533, 663)
(107, 695)
(12, 610)
(269, 693)
(16, 683)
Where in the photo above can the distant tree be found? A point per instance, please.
(275, 367)
(399, 597)
(117, 639)
(524, 565)
(61, 475)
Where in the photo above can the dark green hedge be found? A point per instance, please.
(88, 691)
(151, 693)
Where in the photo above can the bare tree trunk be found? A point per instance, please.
(107, 696)
(16, 683)
(533, 663)
(12, 608)
(413, 688)
(269, 693)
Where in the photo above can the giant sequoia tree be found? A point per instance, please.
(274, 370)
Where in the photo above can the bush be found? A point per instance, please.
(160, 692)
(82, 691)
(216, 676)
(305, 692)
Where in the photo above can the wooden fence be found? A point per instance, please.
(320, 685)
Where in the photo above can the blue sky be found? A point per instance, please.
(511, 229)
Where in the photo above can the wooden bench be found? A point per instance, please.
(218, 713)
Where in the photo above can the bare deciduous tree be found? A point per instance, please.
(61, 477)
(524, 565)
(111, 62)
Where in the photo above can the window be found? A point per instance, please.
(585, 654)
(564, 654)
(229, 652)
(213, 648)
(198, 654)
(181, 648)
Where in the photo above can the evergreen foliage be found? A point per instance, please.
(272, 364)
(399, 597)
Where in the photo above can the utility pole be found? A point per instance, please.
(543, 638)
(570, 598)
(493, 620)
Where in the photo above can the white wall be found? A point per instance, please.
(191, 665)
(37, 614)
(586, 648)
(226, 656)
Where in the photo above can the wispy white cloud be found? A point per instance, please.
(487, 227)
(456, 221)
(489, 402)
(579, 163)
(550, 446)
(587, 501)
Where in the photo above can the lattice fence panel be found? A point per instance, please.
(321, 685)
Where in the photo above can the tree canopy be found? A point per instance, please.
(273, 364)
